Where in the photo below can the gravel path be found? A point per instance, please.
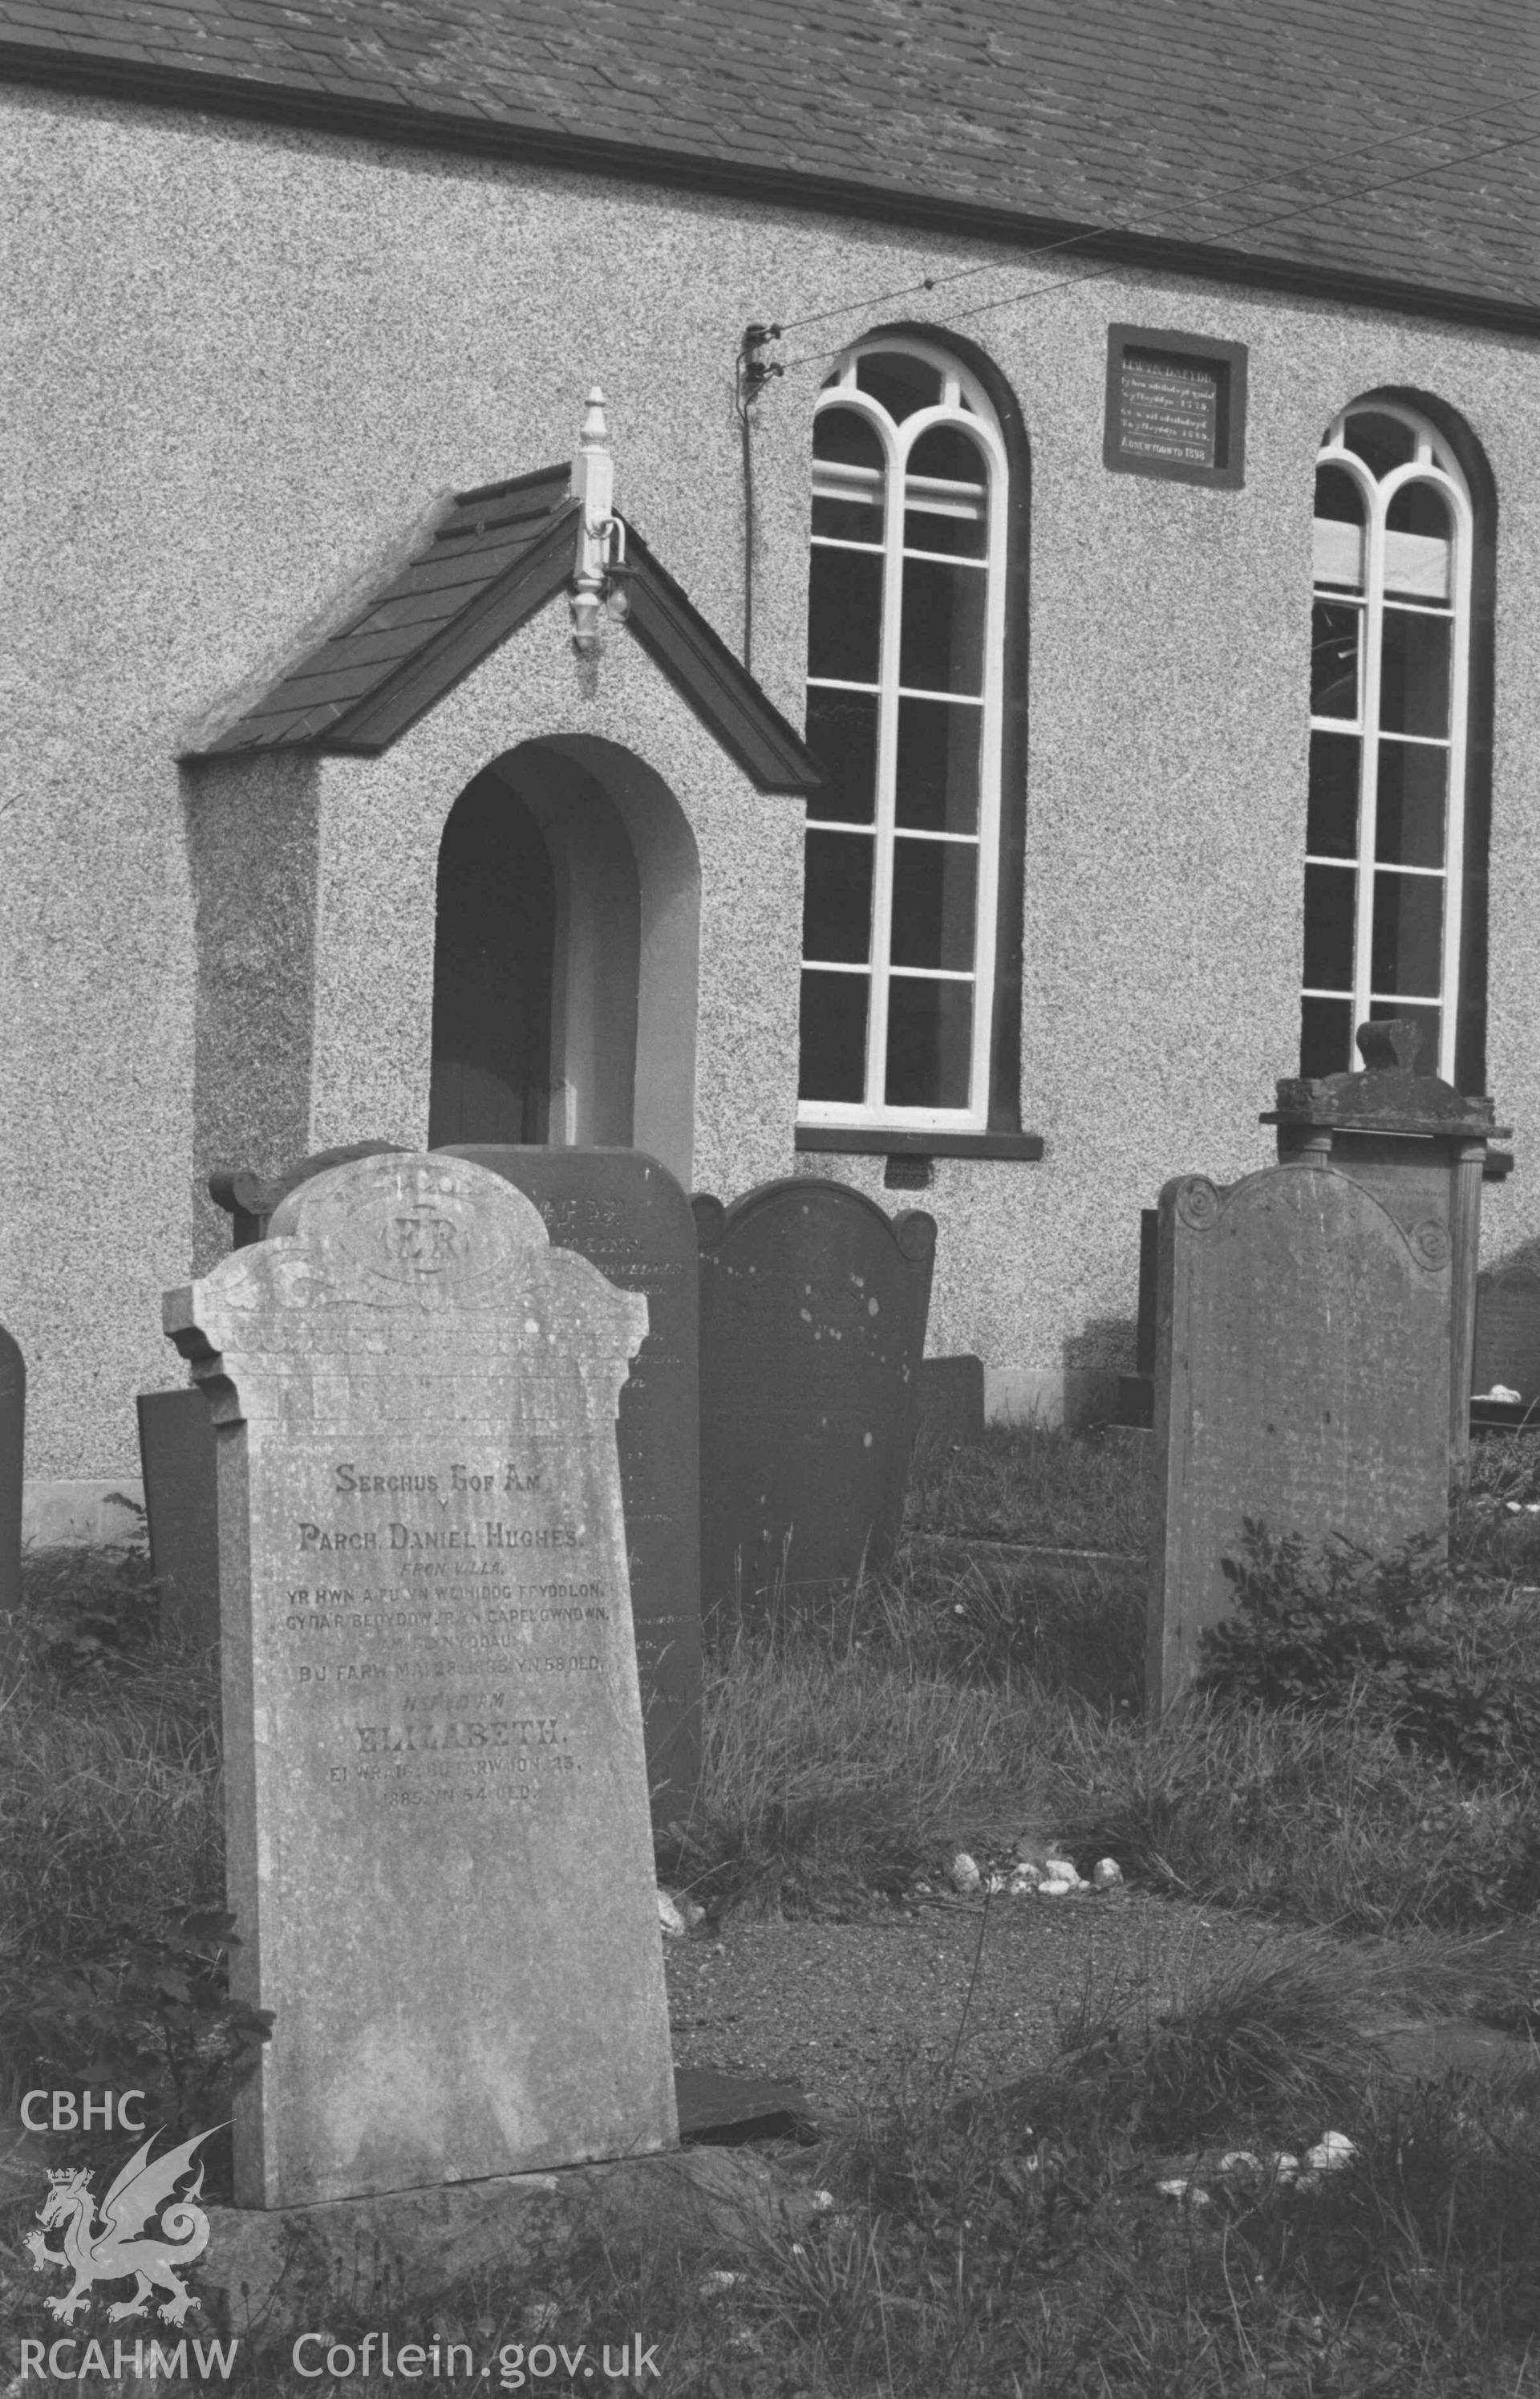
(842, 2008)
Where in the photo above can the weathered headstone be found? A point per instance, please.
(1422, 1147)
(177, 1456)
(627, 1215)
(1508, 1331)
(13, 1445)
(250, 1200)
(439, 1852)
(1301, 1379)
(813, 1308)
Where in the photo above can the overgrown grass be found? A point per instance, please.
(1018, 2243)
(1027, 1484)
(110, 1830)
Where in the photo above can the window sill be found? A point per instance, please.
(910, 1141)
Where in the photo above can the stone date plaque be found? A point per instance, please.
(627, 1215)
(1175, 406)
(1302, 1377)
(438, 1851)
(813, 1309)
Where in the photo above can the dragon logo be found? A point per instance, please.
(129, 2240)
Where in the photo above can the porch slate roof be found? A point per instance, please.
(1396, 141)
(493, 558)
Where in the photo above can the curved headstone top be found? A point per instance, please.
(1388, 1095)
(913, 1232)
(250, 1200)
(421, 1243)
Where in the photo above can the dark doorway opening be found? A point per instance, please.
(492, 969)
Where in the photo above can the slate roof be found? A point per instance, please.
(1238, 129)
(493, 558)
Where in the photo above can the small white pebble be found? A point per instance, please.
(1238, 2161)
(1061, 1870)
(669, 1915)
(1054, 1889)
(1106, 1874)
(1179, 2188)
(965, 1875)
(1333, 2149)
(821, 2201)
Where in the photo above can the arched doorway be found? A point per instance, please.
(566, 956)
(492, 971)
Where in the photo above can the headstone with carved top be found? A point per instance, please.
(438, 1851)
(624, 1213)
(1302, 1380)
(1422, 1148)
(813, 1308)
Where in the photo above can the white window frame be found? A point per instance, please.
(964, 402)
(1433, 462)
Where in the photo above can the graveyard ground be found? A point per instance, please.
(1346, 1846)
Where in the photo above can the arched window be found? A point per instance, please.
(1386, 846)
(906, 637)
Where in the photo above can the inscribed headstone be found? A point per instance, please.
(177, 1454)
(1301, 1379)
(13, 1442)
(1508, 1331)
(1420, 1147)
(813, 1308)
(439, 1852)
(627, 1215)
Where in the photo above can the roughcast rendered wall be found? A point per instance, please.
(246, 359)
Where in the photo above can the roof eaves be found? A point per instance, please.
(301, 711)
(430, 672)
(293, 99)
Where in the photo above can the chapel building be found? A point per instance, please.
(927, 592)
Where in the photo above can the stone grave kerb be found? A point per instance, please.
(1423, 1149)
(444, 1977)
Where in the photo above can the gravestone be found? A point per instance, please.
(250, 1200)
(1422, 1148)
(950, 1400)
(627, 1215)
(813, 1308)
(176, 1456)
(13, 1445)
(439, 1853)
(1508, 1331)
(1301, 1379)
